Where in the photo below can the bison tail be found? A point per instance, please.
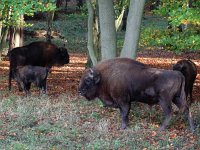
(182, 91)
(184, 106)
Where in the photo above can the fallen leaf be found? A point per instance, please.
(173, 136)
(153, 133)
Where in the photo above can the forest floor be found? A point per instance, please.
(65, 79)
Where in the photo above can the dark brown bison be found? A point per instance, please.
(117, 82)
(189, 70)
(37, 54)
(25, 75)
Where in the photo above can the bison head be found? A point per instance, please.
(179, 66)
(89, 83)
(62, 57)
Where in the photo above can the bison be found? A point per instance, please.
(25, 75)
(37, 54)
(117, 82)
(189, 70)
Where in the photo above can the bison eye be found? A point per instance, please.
(87, 81)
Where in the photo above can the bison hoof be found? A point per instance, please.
(123, 126)
(20, 89)
(162, 128)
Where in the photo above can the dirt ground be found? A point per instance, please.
(65, 79)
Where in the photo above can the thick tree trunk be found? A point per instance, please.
(107, 28)
(133, 28)
(90, 44)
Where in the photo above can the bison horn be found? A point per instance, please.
(94, 75)
(91, 73)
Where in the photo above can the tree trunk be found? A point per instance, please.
(133, 28)
(18, 36)
(4, 33)
(90, 44)
(123, 7)
(58, 3)
(11, 38)
(79, 3)
(118, 22)
(107, 28)
(50, 16)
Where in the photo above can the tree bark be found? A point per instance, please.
(18, 36)
(90, 43)
(107, 29)
(50, 16)
(4, 33)
(11, 38)
(133, 28)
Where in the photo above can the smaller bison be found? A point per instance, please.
(37, 54)
(25, 75)
(189, 70)
(117, 82)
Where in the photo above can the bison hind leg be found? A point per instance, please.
(183, 107)
(43, 86)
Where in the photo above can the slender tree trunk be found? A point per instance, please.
(5, 13)
(1, 27)
(133, 28)
(79, 3)
(11, 38)
(4, 33)
(50, 16)
(58, 3)
(118, 22)
(123, 5)
(107, 28)
(90, 44)
(18, 36)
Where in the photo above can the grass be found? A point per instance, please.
(74, 123)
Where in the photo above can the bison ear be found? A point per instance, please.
(95, 75)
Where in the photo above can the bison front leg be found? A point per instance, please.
(44, 86)
(26, 88)
(124, 111)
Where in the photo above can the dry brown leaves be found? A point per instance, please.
(65, 79)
